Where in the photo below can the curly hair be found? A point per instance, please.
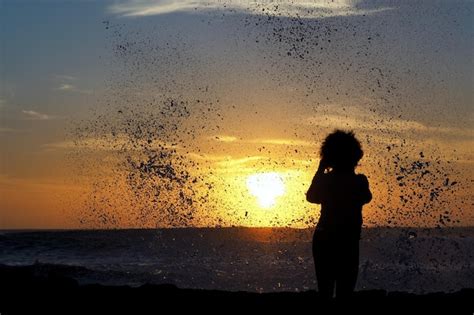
(341, 150)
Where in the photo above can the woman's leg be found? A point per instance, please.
(324, 266)
(347, 267)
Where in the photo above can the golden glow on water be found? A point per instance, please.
(266, 187)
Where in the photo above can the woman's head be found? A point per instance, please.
(341, 150)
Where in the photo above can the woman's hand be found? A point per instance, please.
(322, 166)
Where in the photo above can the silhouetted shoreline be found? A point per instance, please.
(25, 289)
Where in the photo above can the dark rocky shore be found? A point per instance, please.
(31, 290)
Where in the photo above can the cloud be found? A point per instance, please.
(7, 130)
(9, 183)
(67, 87)
(227, 163)
(361, 118)
(300, 8)
(224, 138)
(239, 165)
(65, 77)
(271, 141)
(281, 141)
(233, 162)
(108, 143)
(33, 115)
(66, 84)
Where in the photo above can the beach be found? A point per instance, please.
(27, 289)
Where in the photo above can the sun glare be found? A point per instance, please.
(266, 187)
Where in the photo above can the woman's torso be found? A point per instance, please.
(341, 207)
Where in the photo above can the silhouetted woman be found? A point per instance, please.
(341, 193)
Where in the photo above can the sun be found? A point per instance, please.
(266, 187)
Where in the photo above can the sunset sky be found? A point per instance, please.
(255, 87)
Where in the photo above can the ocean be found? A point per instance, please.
(244, 259)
